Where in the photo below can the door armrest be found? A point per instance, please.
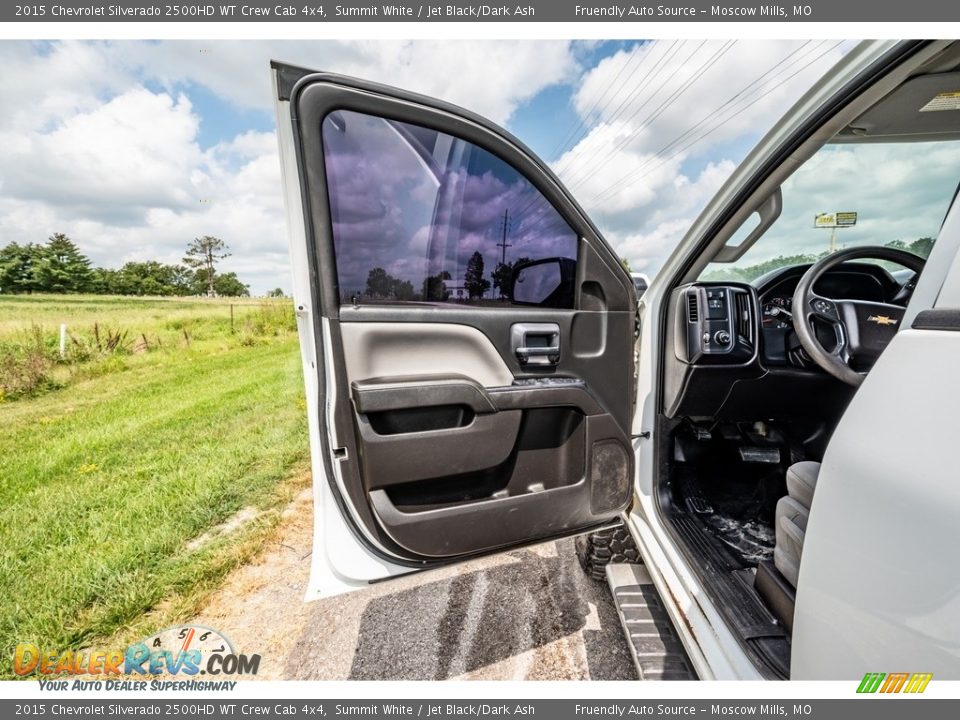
(399, 393)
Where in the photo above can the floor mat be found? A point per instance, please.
(738, 513)
(751, 540)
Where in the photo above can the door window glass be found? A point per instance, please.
(421, 216)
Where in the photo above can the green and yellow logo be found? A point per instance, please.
(894, 682)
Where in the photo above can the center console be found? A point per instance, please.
(716, 324)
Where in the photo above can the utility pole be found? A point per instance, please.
(503, 244)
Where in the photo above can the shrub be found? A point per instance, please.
(272, 318)
(26, 365)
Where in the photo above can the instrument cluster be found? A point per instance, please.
(776, 312)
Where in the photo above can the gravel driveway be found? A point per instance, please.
(527, 614)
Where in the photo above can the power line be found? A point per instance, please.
(654, 114)
(669, 100)
(719, 110)
(575, 126)
(629, 96)
(504, 231)
(599, 196)
(670, 51)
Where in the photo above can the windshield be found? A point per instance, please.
(892, 194)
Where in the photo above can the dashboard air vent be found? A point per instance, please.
(744, 319)
(693, 308)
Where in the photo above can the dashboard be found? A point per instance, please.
(735, 347)
(736, 323)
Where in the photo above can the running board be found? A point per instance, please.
(655, 646)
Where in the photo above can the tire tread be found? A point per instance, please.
(598, 549)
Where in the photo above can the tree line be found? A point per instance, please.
(921, 246)
(381, 285)
(58, 266)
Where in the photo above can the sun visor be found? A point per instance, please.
(926, 107)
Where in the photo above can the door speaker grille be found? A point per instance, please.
(609, 477)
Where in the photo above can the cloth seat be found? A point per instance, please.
(792, 513)
(802, 480)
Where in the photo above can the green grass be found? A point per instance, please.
(146, 331)
(104, 481)
(151, 315)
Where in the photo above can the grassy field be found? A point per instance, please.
(112, 469)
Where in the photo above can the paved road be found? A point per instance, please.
(528, 614)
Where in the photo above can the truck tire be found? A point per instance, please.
(598, 549)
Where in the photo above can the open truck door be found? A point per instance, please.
(467, 336)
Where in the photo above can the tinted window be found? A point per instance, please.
(419, 215)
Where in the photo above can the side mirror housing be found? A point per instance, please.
(549, 282)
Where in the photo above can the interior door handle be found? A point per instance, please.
(536, 343)
(534, 351)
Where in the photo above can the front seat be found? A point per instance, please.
(791, 516)
(777, 582)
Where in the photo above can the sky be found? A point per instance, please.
(133, 148)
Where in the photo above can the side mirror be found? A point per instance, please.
(548, 282)
(640, 283)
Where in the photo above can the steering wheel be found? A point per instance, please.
(862, 328)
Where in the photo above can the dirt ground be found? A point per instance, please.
(528, 614)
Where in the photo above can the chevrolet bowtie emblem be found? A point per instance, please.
(881, 320)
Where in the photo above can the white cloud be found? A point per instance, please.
(127, 179)
(43, 83)
(666, 221)
(99, 141)
(111, 162)
(647, 250)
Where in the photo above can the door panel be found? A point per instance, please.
(461, 462)
(460, 420)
